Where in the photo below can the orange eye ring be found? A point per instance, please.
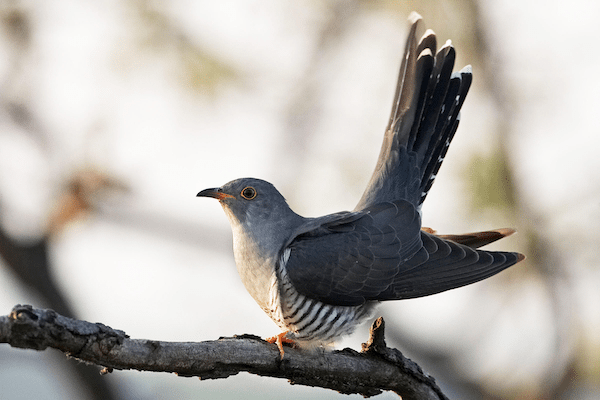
(248, 193)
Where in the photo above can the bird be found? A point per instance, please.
(319, 278)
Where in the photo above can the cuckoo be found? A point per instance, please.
(318, 278)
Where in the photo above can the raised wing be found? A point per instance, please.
(424, 118)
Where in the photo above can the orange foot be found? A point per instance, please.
(280, 339)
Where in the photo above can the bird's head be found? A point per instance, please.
(251, 202)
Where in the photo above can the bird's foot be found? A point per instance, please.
(280, 339)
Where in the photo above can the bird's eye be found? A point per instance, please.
(249, 193)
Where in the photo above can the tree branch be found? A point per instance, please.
(369, 372)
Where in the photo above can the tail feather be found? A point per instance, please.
(435, 99)
(424, 118)
(404, 92)
(476, 240)
(445, 128)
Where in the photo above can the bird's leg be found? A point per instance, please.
(280, 339)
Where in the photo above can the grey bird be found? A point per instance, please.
(318, 278)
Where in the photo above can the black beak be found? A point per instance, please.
(214, 193)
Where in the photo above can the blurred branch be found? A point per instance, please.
(32, 266)
(376, 368)
(30, 262)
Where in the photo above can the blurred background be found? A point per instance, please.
(114, 114)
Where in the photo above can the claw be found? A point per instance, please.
(280, 339)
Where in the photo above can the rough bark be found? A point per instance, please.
(369, 372)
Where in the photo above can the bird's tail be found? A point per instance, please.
(475, 240)
(424, 118)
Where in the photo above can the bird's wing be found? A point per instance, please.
(381, 254)
(424, 118)
(450, 265)
(356, 256)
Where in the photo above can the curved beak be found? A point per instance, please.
(214, 193)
